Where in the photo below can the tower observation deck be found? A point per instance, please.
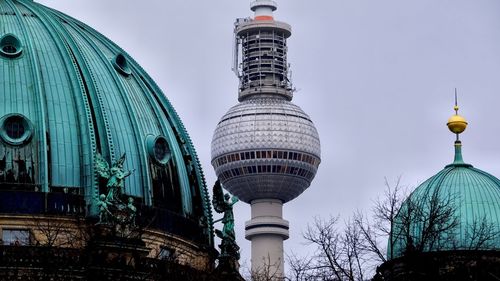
(265, 150)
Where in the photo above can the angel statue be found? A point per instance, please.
(223, 203)
(115, 176)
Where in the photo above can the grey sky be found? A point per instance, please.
(376, 77)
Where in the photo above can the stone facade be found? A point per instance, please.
(42, 247)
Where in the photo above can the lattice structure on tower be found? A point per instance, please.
(263, 67)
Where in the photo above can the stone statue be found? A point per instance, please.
(223, 203)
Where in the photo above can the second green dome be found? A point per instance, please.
(472, 197)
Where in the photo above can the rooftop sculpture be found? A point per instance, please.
(112, 209)
(223, 203)
(228, 267)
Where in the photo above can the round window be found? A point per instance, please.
(158, 149)
(15, 129)
(10, 46)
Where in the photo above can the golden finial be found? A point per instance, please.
(456, 123)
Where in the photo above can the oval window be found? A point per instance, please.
(121, 65)
(158, 149)
(10, 46)
(15, 129)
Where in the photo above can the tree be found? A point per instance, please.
(480, 233)
(426, 222)
(353, 250)
(49, 231)
(384, 213)
(299, 267)
(267, 272)
(421, 222)
(340, 254)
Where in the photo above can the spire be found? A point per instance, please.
(457, 125)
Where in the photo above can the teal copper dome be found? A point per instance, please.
(462, 200)
(68, 93)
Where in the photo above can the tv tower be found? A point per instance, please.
(265, 150)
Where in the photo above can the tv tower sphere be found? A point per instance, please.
(265, 147)
(265, 150)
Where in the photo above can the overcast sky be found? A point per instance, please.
(376, 77)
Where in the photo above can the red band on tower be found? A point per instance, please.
(264, 18)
